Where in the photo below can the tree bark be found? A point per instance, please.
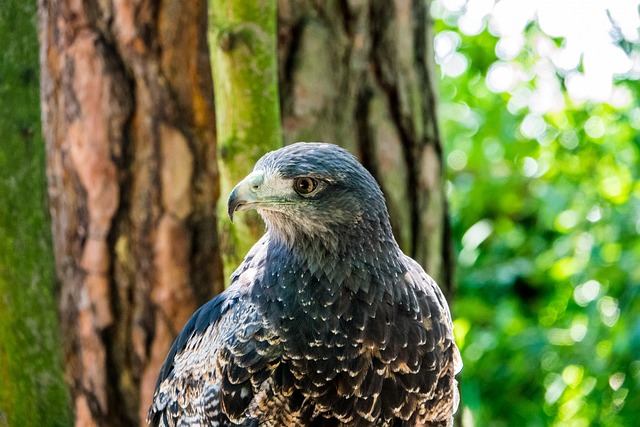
(242, 39)
(32, 388)
(361, 74)
(129, 126)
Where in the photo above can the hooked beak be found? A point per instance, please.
(244, 196)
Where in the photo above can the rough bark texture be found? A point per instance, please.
(129, 128)
(242, 39)
(360, 73)
(32, 388)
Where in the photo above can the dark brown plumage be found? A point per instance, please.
(326, 322)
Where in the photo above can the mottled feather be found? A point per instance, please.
(326, 322)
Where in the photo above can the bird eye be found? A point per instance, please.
(305, 185)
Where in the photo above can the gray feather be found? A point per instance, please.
(326, 322)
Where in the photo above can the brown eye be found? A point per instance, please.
(305, 185)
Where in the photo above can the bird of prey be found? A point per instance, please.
(325, 323)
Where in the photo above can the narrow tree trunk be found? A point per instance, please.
(32, 388)
(129, 127)
(242, 38)
(360, 74)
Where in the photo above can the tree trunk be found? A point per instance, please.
(242, 39)
(32, 388)
(361, 74)
(129, 127)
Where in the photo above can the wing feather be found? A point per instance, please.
(219, 361)
(183, 378)
(440, 356)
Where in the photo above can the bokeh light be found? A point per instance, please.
(540, 115)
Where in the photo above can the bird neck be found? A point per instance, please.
(313, 290)
(368, 238)
(332, 236)
(304, 269)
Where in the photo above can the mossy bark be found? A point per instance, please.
(242, 40)
(32, 387)
(360, 73)
(128, 120)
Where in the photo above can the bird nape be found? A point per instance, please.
(326, 321)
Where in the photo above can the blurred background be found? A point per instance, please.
(540, 116)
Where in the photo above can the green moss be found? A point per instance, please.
(32, 389)
(242, 37)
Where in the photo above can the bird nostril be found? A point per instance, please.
(254, 181)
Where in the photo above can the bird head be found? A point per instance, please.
(311, 190)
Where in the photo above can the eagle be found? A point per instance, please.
(325, 323)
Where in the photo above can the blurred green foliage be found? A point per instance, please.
(546, 220)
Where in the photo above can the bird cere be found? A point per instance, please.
(326, 322)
